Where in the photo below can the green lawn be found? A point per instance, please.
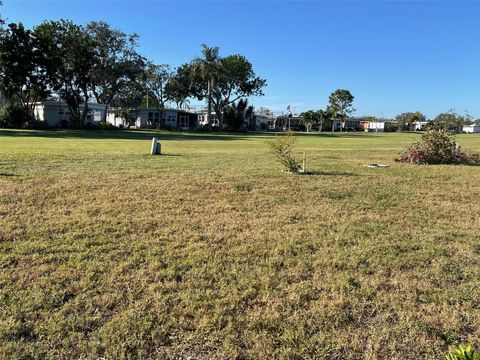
(211, 252)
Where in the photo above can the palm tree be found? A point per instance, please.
(206, 67)
(236, 114)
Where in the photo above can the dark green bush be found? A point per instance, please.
(438, 147)
(106, 125)
(166, 127)
(391, 127)
(15, 116)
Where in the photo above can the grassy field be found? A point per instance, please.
(211, 252)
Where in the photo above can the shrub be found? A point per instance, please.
(106, 125)
(438, 147)
(15, 116)
(462, 353)
(166, 127)
(391, 127)
(282, 149)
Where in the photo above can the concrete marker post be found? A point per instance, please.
(154, 148)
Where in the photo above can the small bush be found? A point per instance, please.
(166, 127)
(38, 124)
(438, 147)
(106, 125)
(282, 149)
(462, 353)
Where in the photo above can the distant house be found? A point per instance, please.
(202, 118)
(418, 125)
(372, 126)
(471, 129)
(255, 122)
(54, 112)
(150, 117)
(283, 123)
(260, 122)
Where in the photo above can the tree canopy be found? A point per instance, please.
(340, 105)
(219, 80)
(407, 120)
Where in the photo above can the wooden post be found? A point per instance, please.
(304, 163)
(154, 148)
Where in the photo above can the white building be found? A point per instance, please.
(53, 112)
(471, 129)
(150, 117)
(202, 118)
(375, 126)
(418, 125)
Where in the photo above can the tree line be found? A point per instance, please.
(340, 108)
(80, 64)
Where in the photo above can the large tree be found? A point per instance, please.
(340, 106)
(222, 80)
(157, 78)
(117, 62)
(22, 67)
(70, 53)
(236, 80)
(179, 87)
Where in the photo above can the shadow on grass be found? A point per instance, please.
(124, 135)
(328, 173)
(163, 155)
(355, 135)
(9, 175)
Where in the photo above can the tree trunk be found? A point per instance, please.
(220, 119)
(209, 113)
(85, 112)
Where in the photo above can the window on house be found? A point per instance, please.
(184, 121)
(150, 117)
(157, 117)
(170, 118)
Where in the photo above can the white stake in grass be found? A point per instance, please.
(156, 147)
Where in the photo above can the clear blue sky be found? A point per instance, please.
(393, 56)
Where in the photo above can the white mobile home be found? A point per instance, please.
(150, 118)
(471, 129)
(375, 126)
(55, 112)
